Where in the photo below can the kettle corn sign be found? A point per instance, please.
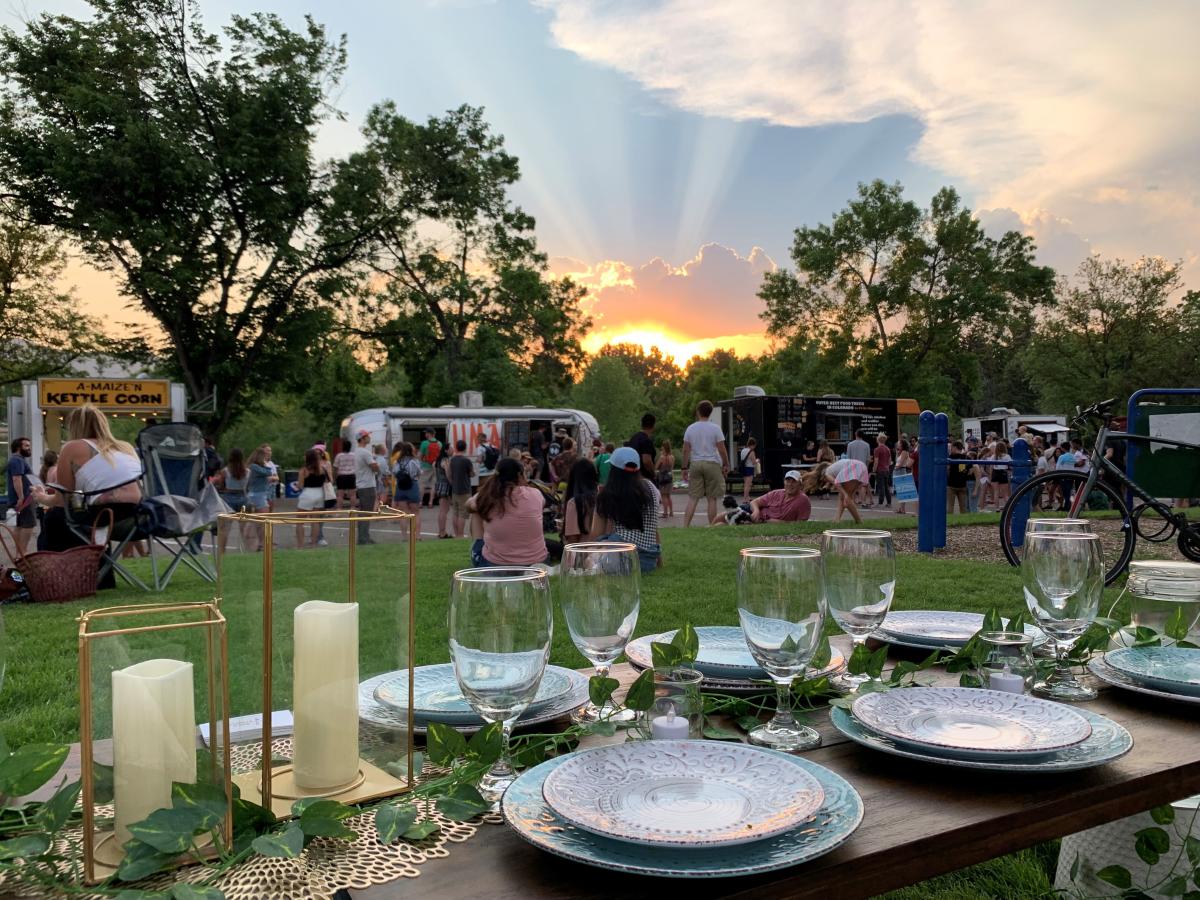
(148, 395)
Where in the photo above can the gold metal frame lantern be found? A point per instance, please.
(144, 674)
(320, 606)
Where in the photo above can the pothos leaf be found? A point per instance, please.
(603, 729)
(444, 744)
(1163, 815)
(860, 658)
(823, 655)
(687, 642)
(142, 860)
(209, 799)
(600, 689)
(640, 695)
(1117, 876)
(421, 830)
(392, 820)
(992, 621)
(1192, 845)
(1150, 844)
(29, 767)
(169, 830)
(487, 743)
(665, 656)
(287, 844)
(185, 891)
(462, 803)
(58, 809)
(1177, 624)
(717, 733)
(24, 847)
(876, 662)
(1017, 623)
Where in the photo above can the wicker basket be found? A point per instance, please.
(58, 576)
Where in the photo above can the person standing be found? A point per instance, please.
(428, 455)
(705, 463)
(747, 461)
(903, 467)
(1000, 481)
(642, 443)
(563, 463)
(859, 450)
(19, 496)
(848, 476)
(956, 479)
(365, 470)
(539, 441)
(461, 471)
(664, 476)
(881, 460)
(603, 463)
(406, 475)
(212, 459)
(343, 468)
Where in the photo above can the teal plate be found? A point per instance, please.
(529, 815)
(1173, 670)
(723, 653)
(1108, 741)
(438, 698)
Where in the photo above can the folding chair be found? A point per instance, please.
(180, 504)
(79, 517)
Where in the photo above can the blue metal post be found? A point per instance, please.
(1020, 473)
(927, 509)
(937, 474)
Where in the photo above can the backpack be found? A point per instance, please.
(404, 479)
(491, 456)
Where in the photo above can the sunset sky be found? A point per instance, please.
(669, 147)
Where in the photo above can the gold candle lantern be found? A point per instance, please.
(154, 713)
(320, 606)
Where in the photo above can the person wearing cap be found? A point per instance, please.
(366, 468)
(786, 504)
(627, 508)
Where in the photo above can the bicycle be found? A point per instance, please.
(1083, 488)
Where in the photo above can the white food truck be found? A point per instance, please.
(505, 427)
(1005, 422)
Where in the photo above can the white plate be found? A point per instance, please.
(682, 793)
(937, 628)
(972, 723)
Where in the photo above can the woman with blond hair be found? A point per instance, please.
(664, 476)
(103, 472)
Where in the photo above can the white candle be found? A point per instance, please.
(325, 692)
(1007, 681)
(669, 727)
(154, 738)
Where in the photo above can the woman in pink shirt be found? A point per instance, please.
(506, 519)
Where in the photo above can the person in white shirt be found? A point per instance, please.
(860, 450)
(705, 463)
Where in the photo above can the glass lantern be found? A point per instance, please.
(1165, 595)
(678, 708)
(320, 610)
(1007, 664)
(154, 713)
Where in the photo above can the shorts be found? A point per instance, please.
(747, 471)
(237, 502)
(705, 480)
(311, 498)
(1000, 476)
(855, 471)
(256, 500)
(459, 503)
(441, 489)
(27, 517)
(408, 495)
(345, 482)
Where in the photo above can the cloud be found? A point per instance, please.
(1059, 243)
(712, 296)
(1086, 109)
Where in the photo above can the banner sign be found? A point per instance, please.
(904, 486)
(473, 431)
(145, 395)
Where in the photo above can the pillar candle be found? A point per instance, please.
(154, 738)
(325, 692)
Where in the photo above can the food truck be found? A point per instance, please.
(784, 424)
(1004, 422)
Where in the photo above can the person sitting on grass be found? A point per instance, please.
(506, 519)
(627, 508)
(786, 504)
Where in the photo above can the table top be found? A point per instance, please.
(921, 819)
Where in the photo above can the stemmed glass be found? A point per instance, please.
(781, 606)
(600, 592)
(1063, 576)
(501, 621)
(1045, 649)
(860, 579)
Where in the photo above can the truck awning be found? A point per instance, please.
(907, 407)
(1048, 428)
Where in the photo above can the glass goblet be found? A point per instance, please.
(860, 579)
(600, 592)
(1063, 578)
(501, 622)
(781, 607)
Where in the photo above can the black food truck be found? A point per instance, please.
(783, 425)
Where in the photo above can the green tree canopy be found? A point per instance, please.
(184, 165)
(614, 395)
(659, 374)
(458, 261)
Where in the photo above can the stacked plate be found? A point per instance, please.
(982, 729)
(651, 807)
(724, 660)
(1172, 673)
(931, 629)
(383, 700)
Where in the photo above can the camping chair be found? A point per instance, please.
(80, 517)
(180, 505)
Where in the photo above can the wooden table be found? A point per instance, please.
(921, 820)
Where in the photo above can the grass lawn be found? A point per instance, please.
(39, 701)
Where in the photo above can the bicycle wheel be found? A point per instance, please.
(1116, 533)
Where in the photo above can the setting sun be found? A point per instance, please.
(674, 345)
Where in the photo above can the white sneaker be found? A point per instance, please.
(321, 542)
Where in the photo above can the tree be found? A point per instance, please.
(1116, 329)
(660, 376)
(459, 262)
(611, 393)
(900, 287)
(186, 169)
(42, 329)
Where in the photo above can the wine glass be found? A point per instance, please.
(1063, 577)
(501, 621)
(600, 592)
(860, 579)
(1037, 526)
(781, 606)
